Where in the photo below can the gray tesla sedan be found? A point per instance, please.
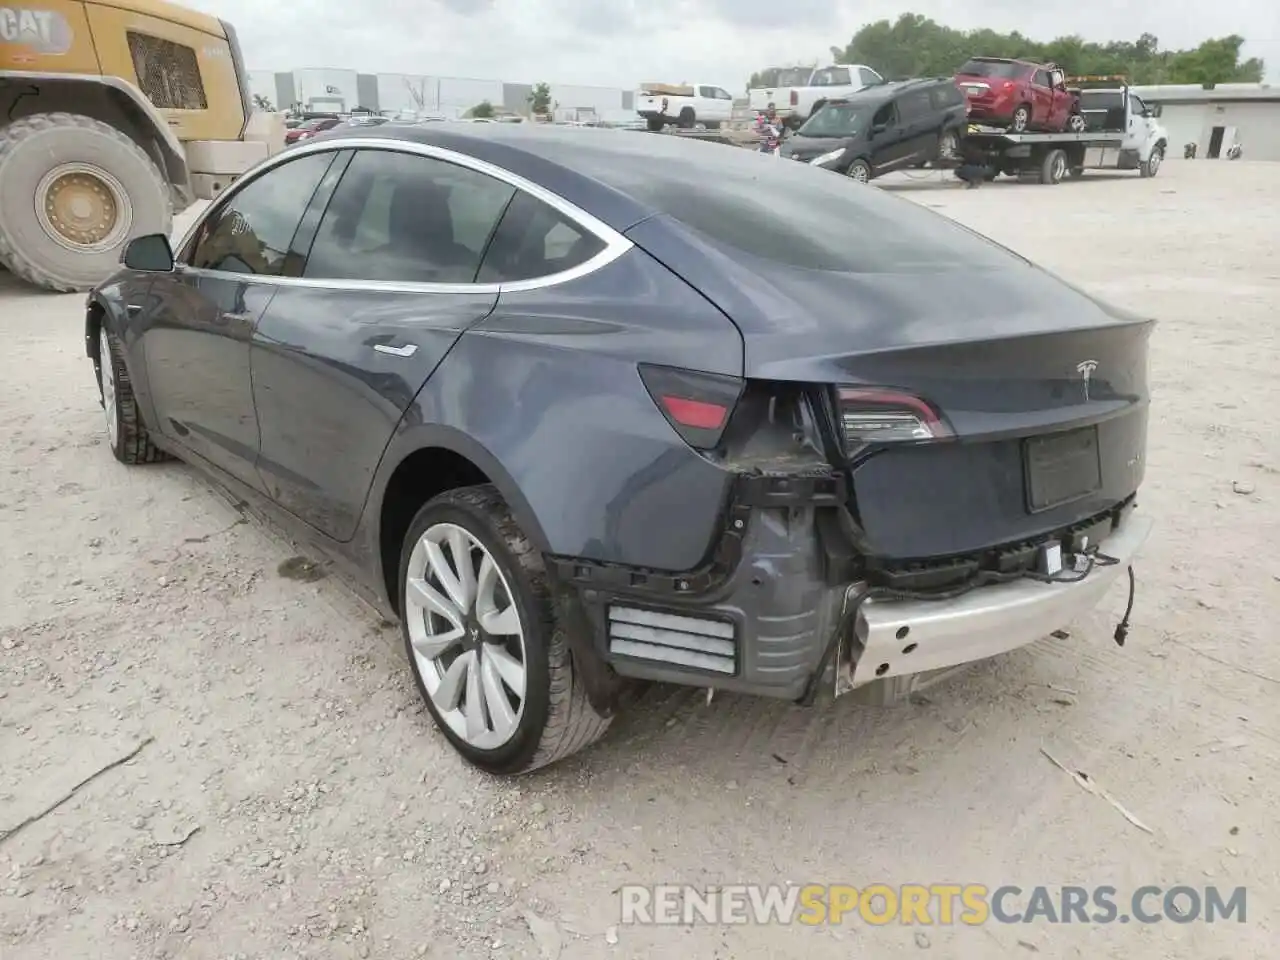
(581, 407)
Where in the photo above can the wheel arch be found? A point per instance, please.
(112, 101)
(422, 463)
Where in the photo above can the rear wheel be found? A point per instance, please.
(860, 171)
(948, 145)
(488, 656)
(1021, 119)
(75, 191)
(654, 124)
(1151, 166)
(687, 118)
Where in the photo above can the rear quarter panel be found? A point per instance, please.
(545, 396)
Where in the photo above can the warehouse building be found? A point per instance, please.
(1214, 119)
(405, 95)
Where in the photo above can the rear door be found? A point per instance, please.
(201, 318)
(921, 125)
(388, 287)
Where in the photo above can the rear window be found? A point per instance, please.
(787, 212)
(1101, 100)
(991, 68)
(946, 95)
(796, 77)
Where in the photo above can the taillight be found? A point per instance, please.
(795, 98)
(872, 415)
(696, 404)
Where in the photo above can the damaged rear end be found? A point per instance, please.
(936, 449)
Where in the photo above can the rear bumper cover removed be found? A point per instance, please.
(898, 638)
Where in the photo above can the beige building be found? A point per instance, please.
(1244, 113)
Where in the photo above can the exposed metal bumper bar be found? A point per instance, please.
(899, 638)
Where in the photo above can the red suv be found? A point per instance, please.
(1019, 94)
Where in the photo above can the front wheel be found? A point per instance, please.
(75, 191)
(479, 625)
(654, 124)
(1151, 166)
(126, 435)
(859, 171)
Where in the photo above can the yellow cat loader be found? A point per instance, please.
(114, 115)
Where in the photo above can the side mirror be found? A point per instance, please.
(150, 253)
(1154, 110)
(878, 128)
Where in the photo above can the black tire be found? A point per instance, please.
(1151, 166)
(1021, 119)
(130, 443)
(1054, 167)
(713, 124)
(655, 124)
(687, 118)
(35, 146)
(557, 718)
(859, 171)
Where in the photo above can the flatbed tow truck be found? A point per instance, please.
(1121, 133)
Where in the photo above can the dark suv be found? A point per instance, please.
(888, 127)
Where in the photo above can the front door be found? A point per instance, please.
(388, 287)
(1041, 98)
(200, 319)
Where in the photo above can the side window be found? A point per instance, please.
(832, 77)
(535, 240)
(869, 76)
(913, 106)
(250, 233)
(885, 116)
(408, 218)
(1040, 78)
(722, 94)
(1136, 107)
(707, 92)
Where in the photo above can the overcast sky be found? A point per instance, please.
(620, 43)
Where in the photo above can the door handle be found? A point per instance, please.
(408, 350)
(133, 309)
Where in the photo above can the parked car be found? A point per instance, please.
(310, 128)
(364, 120)
(684, 105)
(736, 426)
(1019, 94)
(799, 92)
(889, 127)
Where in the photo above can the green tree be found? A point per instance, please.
(481, 111)
(262, 103)
(540, 99)
(914, 45)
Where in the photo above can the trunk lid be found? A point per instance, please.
(1002, 349)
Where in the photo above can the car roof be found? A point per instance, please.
(880, 92)
(591, 167)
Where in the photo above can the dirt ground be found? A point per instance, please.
(291, 798)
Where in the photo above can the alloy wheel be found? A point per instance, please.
(107, 373)
(860, 173)
(1021, 117)
(466, 635)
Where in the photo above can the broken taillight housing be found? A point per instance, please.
(874, 415)
(696, 404)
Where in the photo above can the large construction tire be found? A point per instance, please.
(75, 191)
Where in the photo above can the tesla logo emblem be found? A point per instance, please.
(1085, 368)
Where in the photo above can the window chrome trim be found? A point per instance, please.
(615, 243)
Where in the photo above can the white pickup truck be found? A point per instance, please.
(799, 91)
(684, 104)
